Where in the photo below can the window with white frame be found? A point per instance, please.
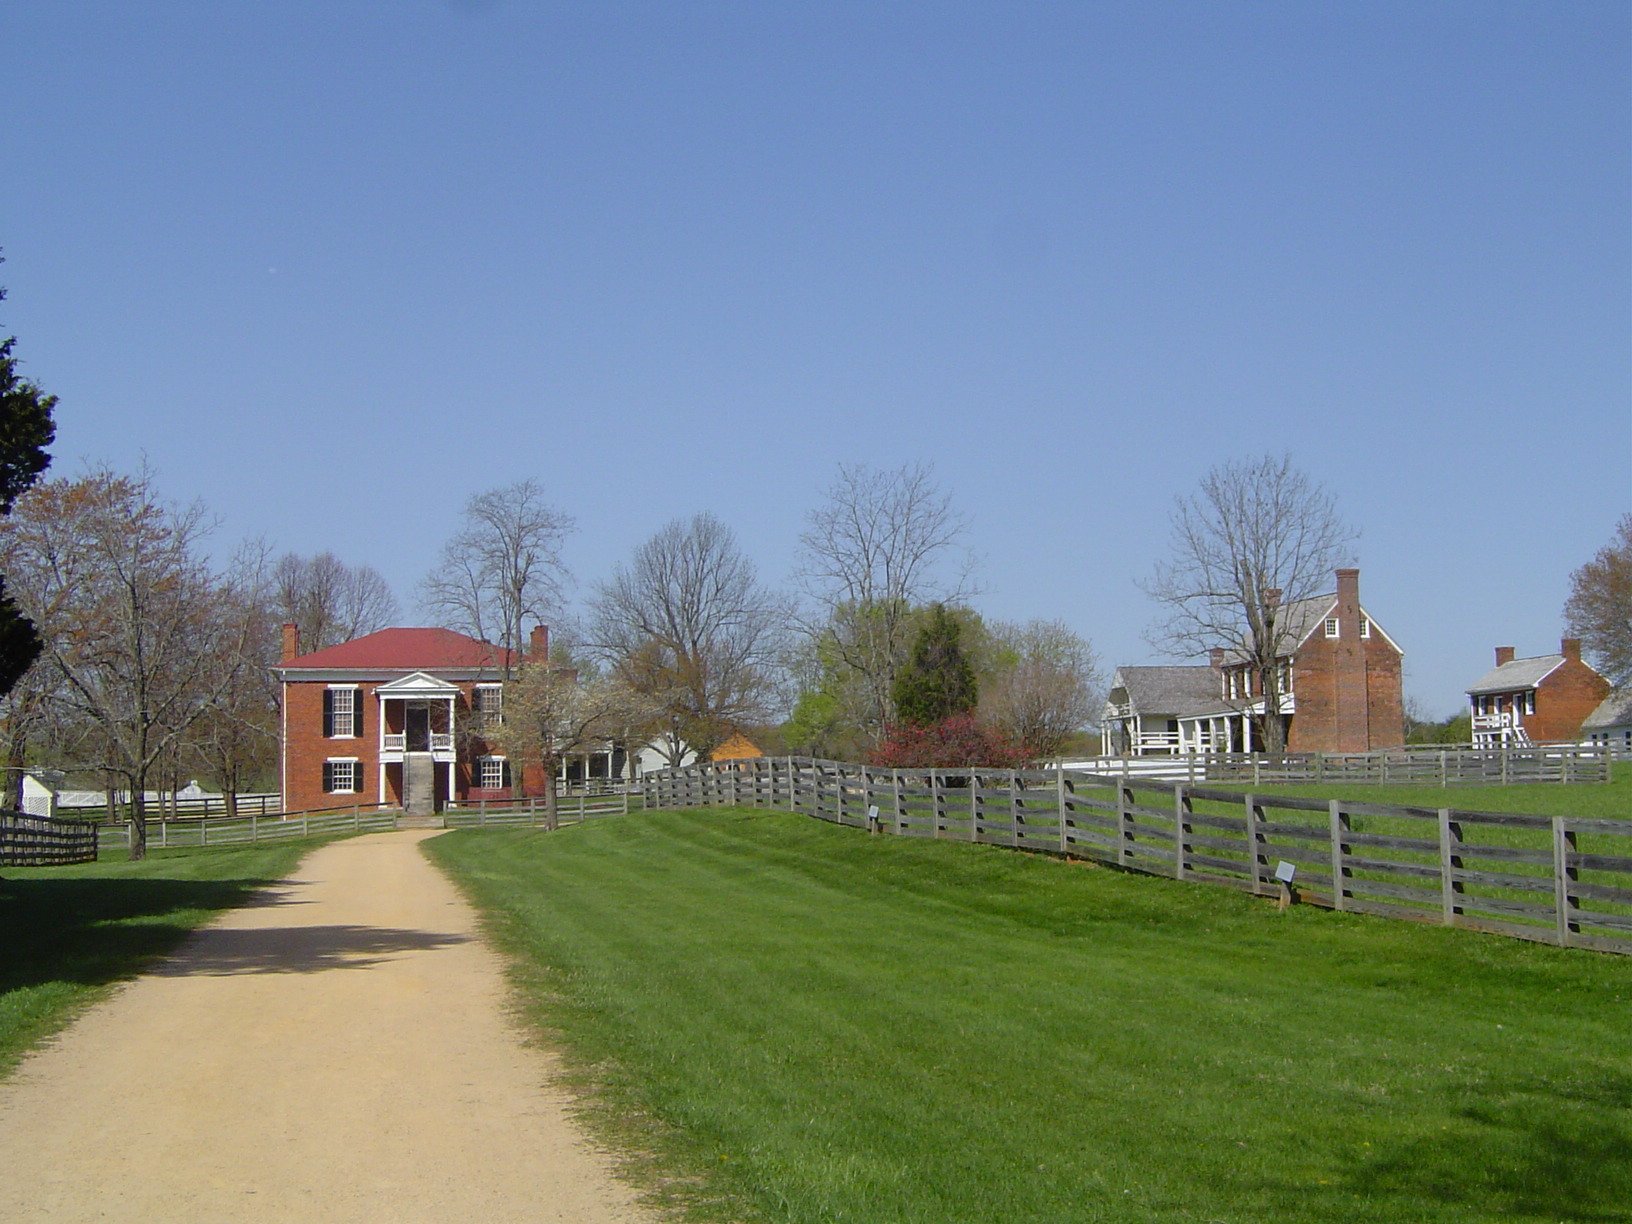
(1529, 701)
(1332, 626)
(492, 772)
(1284, 677)
(489, 706)
(342, 712)
(1365, 626)
(342, 776)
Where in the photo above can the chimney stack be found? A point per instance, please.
(1504, 655)
(1570, 648)
(291, 642)
(1348, 588)
(1215, 656)
(539, 646)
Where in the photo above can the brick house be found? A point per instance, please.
(394, 717)
(1340, 681)
(1539, 700)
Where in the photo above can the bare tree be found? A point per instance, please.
(135, 625)
(1257, 537)
(879, 547)
(1045, 686)
(503, 568)
(236, 738)
(1599, 609)
(329, 601)
(688, 623)
(551, 712)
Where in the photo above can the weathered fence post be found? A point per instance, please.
(1565, 902)
(1124, 824)
(1255, 842)
(793, 805)
(1450, 862)
(1059, 800)
(1014, 806)
(1340, 849)
(1182, 807)
(935, 813)
(974, 806)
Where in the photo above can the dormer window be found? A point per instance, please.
(1332, 626)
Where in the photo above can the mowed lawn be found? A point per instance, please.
(69, 934)
(798, 1022)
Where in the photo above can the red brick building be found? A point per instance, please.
(1340, 684)
(1540, 700)
(394, 717)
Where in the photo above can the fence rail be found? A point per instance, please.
(1434, 765)
(1557, 879)
(530, 813)
(41, 841)
(268, 803)
(242, 830)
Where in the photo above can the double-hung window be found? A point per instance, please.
(489, 706)
(1333, 625)
(492, 773)
(342, 712)
(342, 776)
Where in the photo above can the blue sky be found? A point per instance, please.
(333, 268)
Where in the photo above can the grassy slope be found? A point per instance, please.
(816, 1025)
(71, 933)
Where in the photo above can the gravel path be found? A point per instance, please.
(340, 1052)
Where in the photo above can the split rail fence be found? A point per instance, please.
(1435, 766)
(230, 831)
(1556, 879)
(42, 841)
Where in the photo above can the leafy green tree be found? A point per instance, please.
(1599, 610)
(937, 681)
(26, 429)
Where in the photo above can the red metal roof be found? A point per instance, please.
(407, 650)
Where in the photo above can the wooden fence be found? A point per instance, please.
(40, 841)
(169, 807)
(574, 809)
(1431, 765)
(230, 831)
(1558, 879)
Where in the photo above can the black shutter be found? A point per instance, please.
(504, 773)
(328, 715)
(357, 712)
(328, 777)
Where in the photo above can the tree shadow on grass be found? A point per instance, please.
(1527, 1149)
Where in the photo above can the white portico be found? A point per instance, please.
(417, 714)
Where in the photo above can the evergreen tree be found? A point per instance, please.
(26, 429)
(937, 681)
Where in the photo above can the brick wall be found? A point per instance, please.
(1565, 698)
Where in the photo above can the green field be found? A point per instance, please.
(71, 933)
(798, 1022)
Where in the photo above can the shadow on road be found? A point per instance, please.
(300, 949)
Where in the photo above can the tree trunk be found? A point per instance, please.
(138, 820)
(551, 816)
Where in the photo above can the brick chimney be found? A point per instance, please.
(1504, 655)
(1215, 657)
(291, 642)
(538, 647)
(1570, 648)
(1348, 589)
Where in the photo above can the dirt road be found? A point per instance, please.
(338, 1053)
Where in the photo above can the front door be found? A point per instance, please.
(416, 728)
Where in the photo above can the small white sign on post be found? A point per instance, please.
(1284, 871)
(872, 818)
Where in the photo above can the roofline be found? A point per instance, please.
(1524, 688)
(383, 674)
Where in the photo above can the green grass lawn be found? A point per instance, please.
(71, 933)
(802, 1023)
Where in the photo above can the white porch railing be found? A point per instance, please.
(439, 742)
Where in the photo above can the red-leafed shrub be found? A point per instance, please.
(952, 742)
